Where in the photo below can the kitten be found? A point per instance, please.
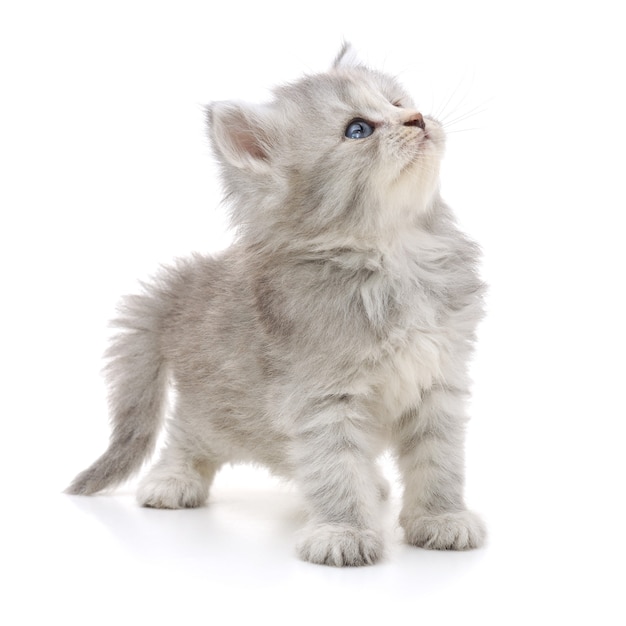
(339, 324)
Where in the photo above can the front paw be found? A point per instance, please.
(338, 545)
(462, 530)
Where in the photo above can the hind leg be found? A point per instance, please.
(177, 483)
(182, 476)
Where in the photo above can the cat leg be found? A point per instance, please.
(181, 478)
(429, 445)
(342, 485)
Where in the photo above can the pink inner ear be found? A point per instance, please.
(248, 143)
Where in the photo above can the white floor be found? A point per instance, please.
(104, 560)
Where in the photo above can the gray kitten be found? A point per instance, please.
(339, 324)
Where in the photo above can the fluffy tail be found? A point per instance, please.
(137, 378)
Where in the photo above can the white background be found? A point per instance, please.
(105, 173)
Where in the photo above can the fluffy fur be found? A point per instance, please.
(338, 325)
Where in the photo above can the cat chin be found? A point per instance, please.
(416, 181)
(415, 188)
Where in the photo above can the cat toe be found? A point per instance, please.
(338, 545)
(462, 530)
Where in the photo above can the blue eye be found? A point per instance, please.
(359, 129)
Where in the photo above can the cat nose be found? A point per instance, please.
(416, 119)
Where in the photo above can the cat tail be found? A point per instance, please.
(137, 377)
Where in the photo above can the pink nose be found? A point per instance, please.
(416, 120)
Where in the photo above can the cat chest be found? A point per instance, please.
(407, 366)
(408, 357)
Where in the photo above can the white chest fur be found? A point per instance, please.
(408, 365)
(409, 358)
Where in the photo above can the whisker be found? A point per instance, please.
(481, 108)
(442, 109)
(462, 130)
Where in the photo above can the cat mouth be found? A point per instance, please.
(431, 132)
(427, 129)
(424, 137)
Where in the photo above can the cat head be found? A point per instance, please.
(344, 153)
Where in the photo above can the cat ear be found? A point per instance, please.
(347, 57)
(240, 135)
